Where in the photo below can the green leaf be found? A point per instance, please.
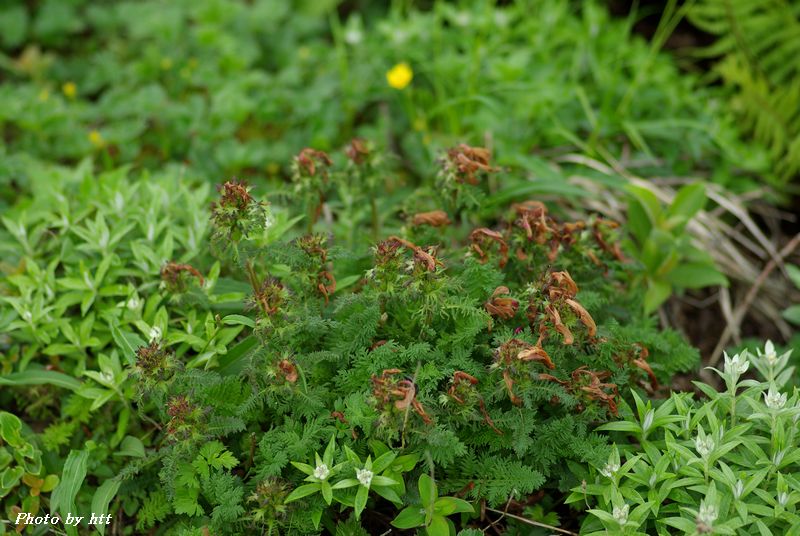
(792, 314)
(438, 526)
(235, 320)
(657, 293)
(233, 362)
(696, 275)
(450, 505)
(303, 491)
(327, 491)
(102, 498)
(361, 500)
(383, 461)
(688, 201)
(127, 343)
(621, 426)
(794, 274)
(410, 517)
(131, 446)
(41, 377)
(62, 500)
(427, 490)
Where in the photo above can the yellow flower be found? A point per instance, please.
(70, 89)
(96, 139)
(400, 75)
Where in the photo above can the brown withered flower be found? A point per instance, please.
(269, 296)
(287, 370)
(518, 351)
(399, 393)
(314, 245)
(467, 162)
(309, 161)
(423, 258)
(435, 218)
(236, 213)
(589, 385)
(500, 305)
(154, 363)
(462, 387)
(602, 227)
(532, 218)
(561, 285)
(481, 238)
(184, 418)
(357, 151)
(176, 277)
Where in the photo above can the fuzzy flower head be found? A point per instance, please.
(364, 476)
(705, 517)
(704, 444)
(736, 365)
(400, 75)
(620, 514)
(774, 399)
(609, 470)
(322, 472)
(769, 354)
(155, 334)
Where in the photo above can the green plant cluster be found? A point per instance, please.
(486, 353)
(728, 464)
(236, 88)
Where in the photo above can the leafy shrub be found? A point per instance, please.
(478, 355)
(725, 465)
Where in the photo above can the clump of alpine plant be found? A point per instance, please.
(717, 465)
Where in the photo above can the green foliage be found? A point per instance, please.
(663, 246)
(432, 512)
(477, 354)
(758, 43)
(724, 465)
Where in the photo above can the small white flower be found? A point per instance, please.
(648, 420)
(268, 220)
(364, 476)
(27, 316)
(783, 498)
(133, 303)
(736, 365)
(322, 472)
(707, 514)
(769, 354)
(155, 334)
(738, 489)
(621, 514)
(610, 469)
(774, 399)
(704, 444)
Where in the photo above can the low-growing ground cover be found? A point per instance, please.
(404, 331)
